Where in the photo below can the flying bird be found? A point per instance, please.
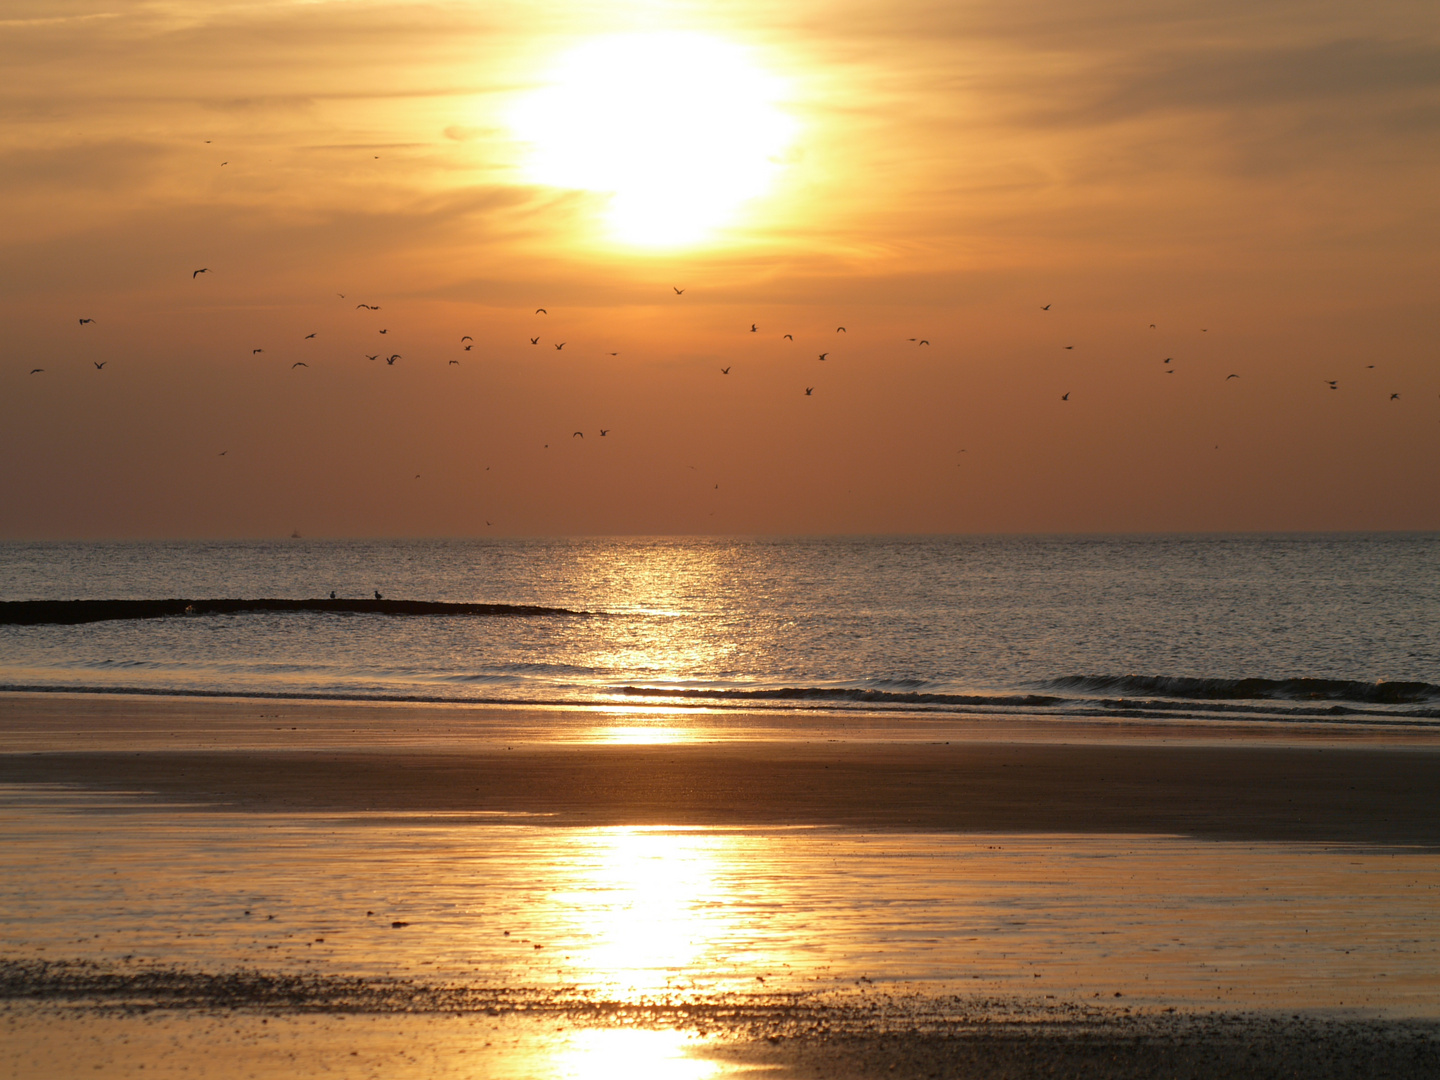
(823, 355)
(753, 328)
(1332, 383)
(1167, 360)
(924, 342)
(790, 337)
(578, 435)
(455, 362)
(809, 390)
(1394, 397)
(541, 311)
(725, 370)
(1069, 346)
(1065, 396)
(254, 351)
(1152, 326)
(534, 341)
(367, 307)
(99, 363)
(392, 358)
(560, 346)
(196, 273)
(469, 347)
(298, 363)
(1229, 377)
(369, 357)
(467, 337)
(384, 331)
(36, 370)
(84, 321)
(604, 431)
(677, 291)
(222, 453)
(309, 336)
(840, 330)
(1045, 308)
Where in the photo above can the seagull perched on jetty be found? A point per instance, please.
(378, 596)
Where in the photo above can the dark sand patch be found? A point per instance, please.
(791, 1035)
(1372, 796)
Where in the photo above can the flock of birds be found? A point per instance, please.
(467, 343)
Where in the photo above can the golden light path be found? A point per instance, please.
(679, 129)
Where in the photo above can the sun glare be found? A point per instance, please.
(679, 129)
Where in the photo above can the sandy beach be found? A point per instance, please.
(511, 892)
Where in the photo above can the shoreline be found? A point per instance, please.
(605, 767)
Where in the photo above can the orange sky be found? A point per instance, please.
(1264, 171)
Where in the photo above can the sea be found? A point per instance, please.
(1253, 629)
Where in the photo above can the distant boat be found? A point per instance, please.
(295, 535)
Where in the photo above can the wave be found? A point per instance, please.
(1252, 689)
(841, 693)
(72, 612)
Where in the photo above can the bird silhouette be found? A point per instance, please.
(678, 292)
(84, 321)
(254, 351)
(753, 328)
(1065, 396)
(1167, 360)
(840, 330)
(369, 357)
(384, 331)
(469, 347)
(1152, 326)
(534, 341)
(99, 363)
(456, 363)
(1045, 308)
(1069, 346)
(298, 363)
(560, 346)
(823, 355)
(378, 596)
(332, 594)
(196, 273)
(790, 337)
(222, 453)
(36, 370)
(1394, 397)
(309, 336)
(604, 431)
(392, 358)
(467, 337)
(367, 307)
(1332, 383)
(809, 390)
(541, 311)
(924, 342)
(725, 370)
(1229, 377)
(578, 435)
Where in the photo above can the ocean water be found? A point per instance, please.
(1271, 629)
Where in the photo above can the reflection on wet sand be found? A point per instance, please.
(665, 915)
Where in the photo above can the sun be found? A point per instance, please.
(680, 130)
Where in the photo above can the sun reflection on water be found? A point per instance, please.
(649, 907)
(628, 1053)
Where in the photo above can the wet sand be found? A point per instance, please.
(1313, 785)
(1013, 847)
